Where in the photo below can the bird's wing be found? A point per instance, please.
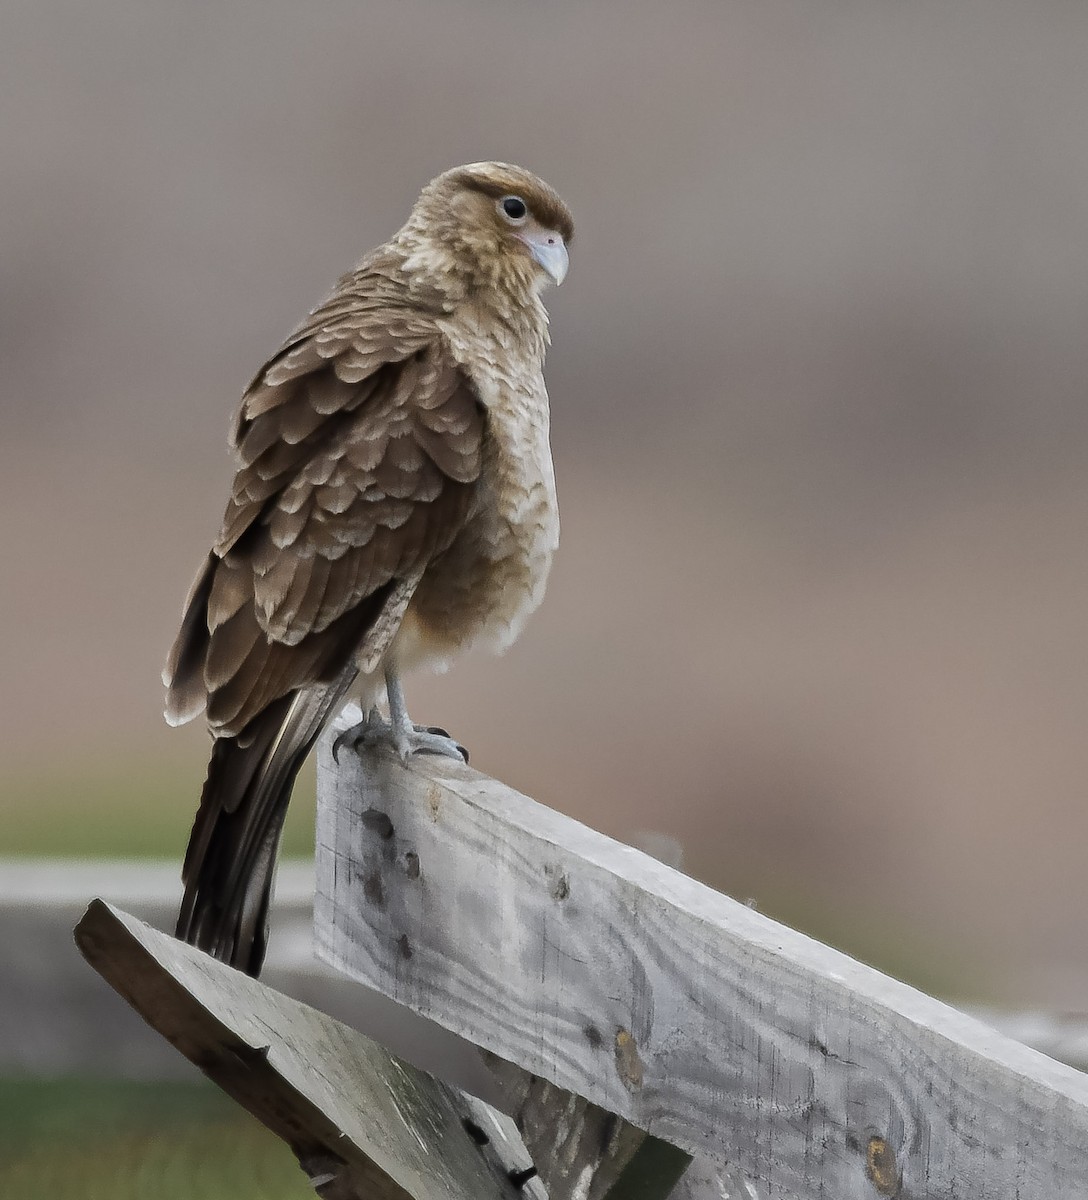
(360, 445)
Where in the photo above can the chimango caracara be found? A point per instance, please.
(394, 504)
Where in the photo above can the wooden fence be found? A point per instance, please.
(647, 1035)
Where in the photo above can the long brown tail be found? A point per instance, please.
(231, 858)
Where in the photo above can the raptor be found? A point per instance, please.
(394, 504)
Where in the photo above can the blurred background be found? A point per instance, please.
(820, 431)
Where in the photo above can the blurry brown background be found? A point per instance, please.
(819, 415)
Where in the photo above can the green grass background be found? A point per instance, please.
(117, 808)
(84, 1139)
(94, 1140)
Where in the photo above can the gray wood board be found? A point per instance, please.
(58, 1019)
(364, 1124)
(582, 1151)
(692, 1016)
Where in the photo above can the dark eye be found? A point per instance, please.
(514, 207)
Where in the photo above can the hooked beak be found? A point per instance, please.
(549, 251)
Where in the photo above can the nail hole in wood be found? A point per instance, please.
(475, 1132)
(378, 823)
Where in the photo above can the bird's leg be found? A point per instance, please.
(409, 739)
(399, 732)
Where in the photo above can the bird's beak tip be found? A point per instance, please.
(550, 252)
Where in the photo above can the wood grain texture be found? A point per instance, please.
(363, 1124)
(582, 1151)
(792, 1070)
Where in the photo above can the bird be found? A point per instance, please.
(394, 504)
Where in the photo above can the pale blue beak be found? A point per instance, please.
(550, 252)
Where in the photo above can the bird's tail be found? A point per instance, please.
(231, 858)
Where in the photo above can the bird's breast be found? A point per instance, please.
(481, 591)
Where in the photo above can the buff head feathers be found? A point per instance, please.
(491, 224)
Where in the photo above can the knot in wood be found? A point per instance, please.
(881, 1167)
(628, 1062)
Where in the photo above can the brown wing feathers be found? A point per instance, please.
(359, 446)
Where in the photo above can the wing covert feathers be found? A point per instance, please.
(359, 447)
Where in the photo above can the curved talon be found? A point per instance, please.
(438, 731)
(414, 739)
(356, 735)
(343, 739)
(427, 740)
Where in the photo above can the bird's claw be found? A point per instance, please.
(374, 730)
(360, 734)
(429, 739)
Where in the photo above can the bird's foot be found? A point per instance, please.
(405, 738)
(427, 739)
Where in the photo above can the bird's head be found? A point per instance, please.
(490, 224)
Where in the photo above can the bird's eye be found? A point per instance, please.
(513, 208)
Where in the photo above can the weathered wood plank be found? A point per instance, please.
(694, 1017)
(582, 1151)
(363, 1124)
